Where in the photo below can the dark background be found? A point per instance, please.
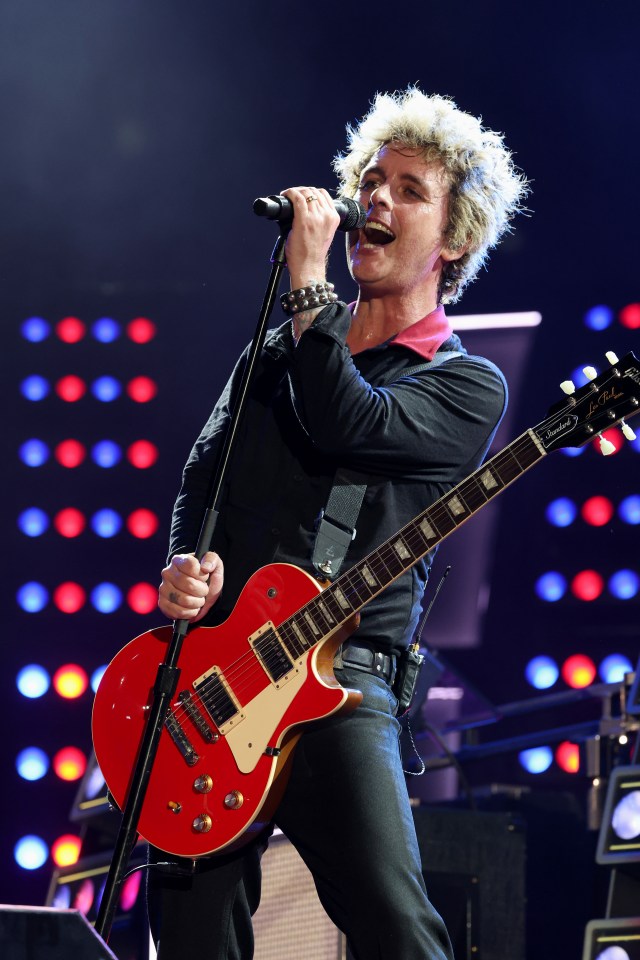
(135, 136)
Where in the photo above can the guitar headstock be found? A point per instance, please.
(608, 398)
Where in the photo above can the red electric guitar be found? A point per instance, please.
(248, 686)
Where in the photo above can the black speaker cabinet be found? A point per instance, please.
(45, 933)
(474, 868)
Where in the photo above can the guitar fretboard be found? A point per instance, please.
(370, 576)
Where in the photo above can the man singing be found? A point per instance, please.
(337, 388)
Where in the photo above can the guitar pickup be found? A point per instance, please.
(271, 653)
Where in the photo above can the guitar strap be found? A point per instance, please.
(336, 526)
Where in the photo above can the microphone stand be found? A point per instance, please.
(168, 671)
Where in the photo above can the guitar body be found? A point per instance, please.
(234, 720)
(248, 687)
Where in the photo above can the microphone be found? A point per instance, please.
(353, 215)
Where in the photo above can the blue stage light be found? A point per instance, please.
(33, 681)
(32, 597)
(629, 509)
(624, 584)
(35, 329)
(598, 318)
(613, 668)
(30, 852)
(35, 388)
(537, 759)
(97, 676)
(579, 377)
(542, 672)
(106, 523)
(106, 597)
(32, 763)
(34, 453)
(33, 522)
(561, 512)
(106, 330)
(573, 451)
(106, 454)
(551, 586)
(106, 389)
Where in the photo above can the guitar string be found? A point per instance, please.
(438, 512)
(248, 663)
(435, 512)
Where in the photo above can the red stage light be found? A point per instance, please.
(69, 597)
(141, 330)
(70, 681)
(587, 585)
(578, 671)
(630, 316)
(65, 851)
(142, 389)
(142, 597)
(568, 757)
(69, 763)
(70, 453)
(142, 454)
(142, 523)
(71, 388)
(597, 511)
(71, 330)
(69, 522)
(130, 891)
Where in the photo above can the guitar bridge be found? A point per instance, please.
(181, 740)
(196, 717)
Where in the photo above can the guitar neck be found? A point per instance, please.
(370, 576)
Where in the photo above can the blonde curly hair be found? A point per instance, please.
(486, 189)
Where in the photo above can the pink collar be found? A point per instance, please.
(425, 336)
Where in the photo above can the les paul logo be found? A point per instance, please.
(603, 400)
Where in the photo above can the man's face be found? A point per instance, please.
(401, 249)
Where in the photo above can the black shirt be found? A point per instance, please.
(313, 408)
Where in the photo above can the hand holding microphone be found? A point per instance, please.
(352, 214)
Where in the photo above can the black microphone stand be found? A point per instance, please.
(168, 671)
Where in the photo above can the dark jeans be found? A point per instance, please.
(347, 812)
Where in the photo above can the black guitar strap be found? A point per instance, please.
(337, 522)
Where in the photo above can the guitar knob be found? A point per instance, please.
(568, 387)
(203, 784)
(590, 373)
(233, 800)
(203, 823)
(611, 357)
(606, 447)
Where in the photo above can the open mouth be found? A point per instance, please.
(377, 234)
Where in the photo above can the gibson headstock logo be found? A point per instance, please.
(633, 373)
(548, 436)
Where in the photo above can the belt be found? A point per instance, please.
(363, 656)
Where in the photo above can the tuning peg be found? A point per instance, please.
(590, 373)
(627, 431)
(606, 447)
(568, 387)
(611, 357)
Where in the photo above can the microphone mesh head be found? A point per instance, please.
(356, 215)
